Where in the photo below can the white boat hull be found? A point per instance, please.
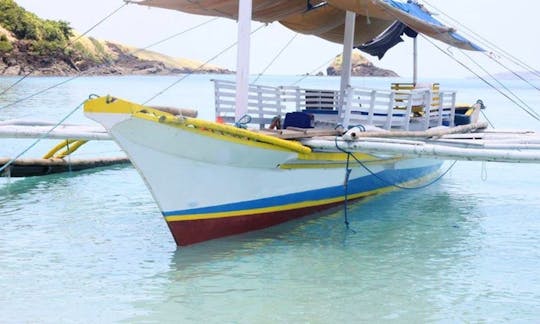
(208, 185)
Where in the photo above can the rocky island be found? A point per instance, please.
(34, 46)
(361, 66)
(31, 45)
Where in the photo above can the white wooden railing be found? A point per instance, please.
(388, 109)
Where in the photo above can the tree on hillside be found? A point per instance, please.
(44, 35)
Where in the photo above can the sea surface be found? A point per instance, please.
(92, 247)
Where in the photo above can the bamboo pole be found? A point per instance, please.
(31, 167)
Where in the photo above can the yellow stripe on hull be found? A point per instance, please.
(207, 128)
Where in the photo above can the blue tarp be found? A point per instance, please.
(392, 36)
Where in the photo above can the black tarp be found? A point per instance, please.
(388, 39)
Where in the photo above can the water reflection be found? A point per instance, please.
(404, 253)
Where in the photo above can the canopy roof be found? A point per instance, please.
(326, 19)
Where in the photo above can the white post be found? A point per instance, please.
(242, 63)
(346, 63)
(415, 60)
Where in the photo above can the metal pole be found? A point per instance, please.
(242, 63)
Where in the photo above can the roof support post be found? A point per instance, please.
(415, 60)
(243, 55)
(346, 62)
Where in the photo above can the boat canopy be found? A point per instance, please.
(326, 19)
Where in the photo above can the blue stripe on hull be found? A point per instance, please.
(356, 186)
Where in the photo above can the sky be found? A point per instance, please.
(511, 25)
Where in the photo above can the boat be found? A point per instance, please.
(243, 172)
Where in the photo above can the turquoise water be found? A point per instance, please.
(92, 246)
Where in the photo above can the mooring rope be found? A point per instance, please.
(70, 43)
(348, 171)
(393, 184)
(10, 162)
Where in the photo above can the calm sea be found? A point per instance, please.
(92, 247)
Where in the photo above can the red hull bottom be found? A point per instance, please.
(194, 231)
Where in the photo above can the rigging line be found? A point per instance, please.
(41, 91)
(275, 58)
(393, 184)
(480, 77)
(501, 84)
(313, 71)
(105, 63)
(70, 43)
(512, 58)
(198, 68)
(511, 71)
(175, 35)
(486, 118)
(5, 166)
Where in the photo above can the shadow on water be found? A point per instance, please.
(12, 187)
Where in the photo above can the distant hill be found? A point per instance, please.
(47, 47)
(361, 66)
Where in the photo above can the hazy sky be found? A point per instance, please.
(511, 25)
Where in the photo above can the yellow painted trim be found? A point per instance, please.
(334, 156)
(110, 105)
(295, 205)
(275, 208)
(225, 132)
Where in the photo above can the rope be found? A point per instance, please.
(70, 43)
(512, 58)
(275, 57)
(10, 162)
(532, 114)
(243, 121)
(80, 74)
(393, 184)
(198, 68)
(486, 118)
(501, 84)
(168, 38)
(313, 71)
(491, 57)
(346, 188)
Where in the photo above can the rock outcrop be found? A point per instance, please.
(361, 66)
(93, 57)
